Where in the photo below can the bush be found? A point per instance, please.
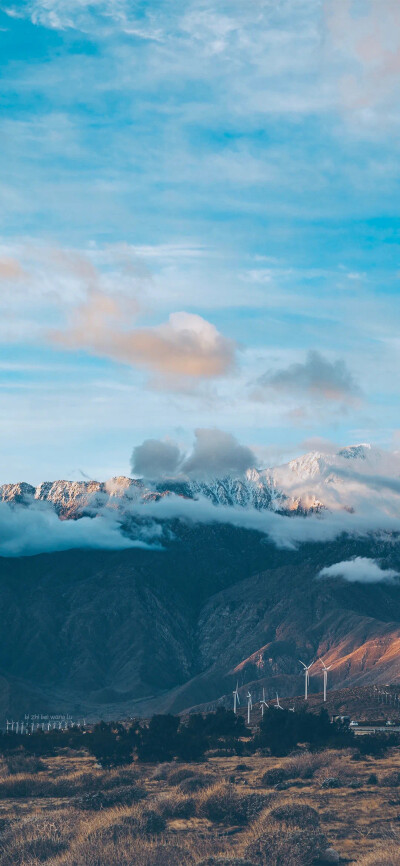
(331, 782)
(223, 804)
(390, 780)
(176, 805)
(282, 732)
(125, 795)
(20, 762)
(196, 783)
(158, 741)
(140, 822)
(224, 861)
(273, 777)
(35, 840)
(385, 854)
(286, 848)
(304, 765)
(112, 744)
(298, 814)
(177, 776)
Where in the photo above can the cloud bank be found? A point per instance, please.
(360, 570)
(25, 531)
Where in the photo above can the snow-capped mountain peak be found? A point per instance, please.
(311, 482)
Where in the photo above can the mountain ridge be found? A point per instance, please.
(306, 484)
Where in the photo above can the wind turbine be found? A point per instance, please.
(263, 704)
(277, 706)
(236, 699)
(325, 670)
(306, 677)
(249, 706)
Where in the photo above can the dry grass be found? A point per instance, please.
(44, 818)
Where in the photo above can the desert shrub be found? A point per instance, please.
(125, 850)
(196, 783)
(273, 777)
(304, 765)
(297, 814)
(176, 805)
(162, 772)
(126, 775)
(279, 847)
(125, 795)
(223, 804)
(224, 861)
(372, 779)
(20, 762)
(242, 768)
(23, 785)
(177, 776)
(384, 854)
(35, 839)
(120, 826)
(376, 745)
(390, 780)
(331, 782)
(167, 854)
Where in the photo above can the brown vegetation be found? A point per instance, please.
(65, 811)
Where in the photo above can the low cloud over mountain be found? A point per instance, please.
(360, 569)
(36, 528)
(316, 497)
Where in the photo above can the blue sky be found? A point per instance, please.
(199, 227)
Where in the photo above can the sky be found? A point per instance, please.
(199, 208)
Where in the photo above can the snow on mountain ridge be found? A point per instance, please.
(311, 482)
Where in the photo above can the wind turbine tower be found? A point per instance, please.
(325, 670)
(249, 706)
(306, 677)
(263, 704)
(236, 699)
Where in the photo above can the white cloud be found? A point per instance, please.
(27, 530)
(361, 570)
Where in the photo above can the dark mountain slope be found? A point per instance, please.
(114, 633)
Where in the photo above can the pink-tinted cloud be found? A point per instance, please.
(367, 36)
(186, 346)
(10, 269)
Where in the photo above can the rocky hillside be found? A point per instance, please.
(136, 631)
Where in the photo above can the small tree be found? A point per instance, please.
(158, 740)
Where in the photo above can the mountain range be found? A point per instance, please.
(217, 600)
